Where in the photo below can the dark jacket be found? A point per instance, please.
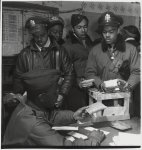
(78, 53)
(30, 58)
(77, 97)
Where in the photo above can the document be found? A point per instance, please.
(92, 129)
(127, 139)
(95, 107)
(65, 128)
(78, 135)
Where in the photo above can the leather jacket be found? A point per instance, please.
(31, 58)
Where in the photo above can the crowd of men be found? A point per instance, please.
(51, 70)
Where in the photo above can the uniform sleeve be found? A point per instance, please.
(134, 78)
(64, 117)
(19, 69)
(44, 136)
(91, 69)
(68, 72)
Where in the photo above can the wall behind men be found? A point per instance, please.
(12, 43)
(129, 11)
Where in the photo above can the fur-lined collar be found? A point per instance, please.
(74, 39)
(119, 45)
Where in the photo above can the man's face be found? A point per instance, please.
(56, 31)
(40, 36)
(81, 29)
(110, 34)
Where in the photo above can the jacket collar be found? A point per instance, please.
(119, 45)
(74, 39)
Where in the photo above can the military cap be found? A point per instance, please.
(77, 18)
(33, 24)
(55, 20)
(109, 18)
(132, 30)
(41, 85)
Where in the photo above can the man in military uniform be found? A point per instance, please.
(56, 25)
(78, 45)
(42, 53)
(107, 59)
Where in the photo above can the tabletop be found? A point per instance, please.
(134, 122)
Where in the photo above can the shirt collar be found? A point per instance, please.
(46, 45)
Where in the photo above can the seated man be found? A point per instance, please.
(31, 122)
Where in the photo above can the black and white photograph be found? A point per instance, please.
(70, 74)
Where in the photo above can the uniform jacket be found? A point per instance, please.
(31, 126)
(78, 53)
(101, 68)
(31, 58)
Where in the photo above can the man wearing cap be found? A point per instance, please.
(131, 35)
(31, 122)
(56, 25)
(106, 59)
(43, 52)
(78, 45)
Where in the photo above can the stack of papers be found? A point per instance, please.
(127, 139)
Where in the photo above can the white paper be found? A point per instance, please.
(64, 128)
(95, 107)
(70, 138)
(92, 129)
(78, 135)
(127, 139)
(111, 83)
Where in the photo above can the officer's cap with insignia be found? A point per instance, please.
(35, 24)
(55, 20)
(77, 18)
(110, 19)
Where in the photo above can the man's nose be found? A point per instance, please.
(83, 29)
(107, 34)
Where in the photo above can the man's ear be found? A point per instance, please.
(118, 30)
(72, 30)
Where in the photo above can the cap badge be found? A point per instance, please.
(107, 17)
(54, 18)
(32, 22)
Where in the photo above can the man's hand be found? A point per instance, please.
(87, 83)
(59, 101)
(11, 97)
(80, 113)
(103, 87)
(123, 85)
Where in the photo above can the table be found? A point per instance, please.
(134, 122)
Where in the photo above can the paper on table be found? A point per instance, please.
(64, 128)
(120, 125)
(127, 139)
(70, 138)
(92, 129)
(78, 135)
